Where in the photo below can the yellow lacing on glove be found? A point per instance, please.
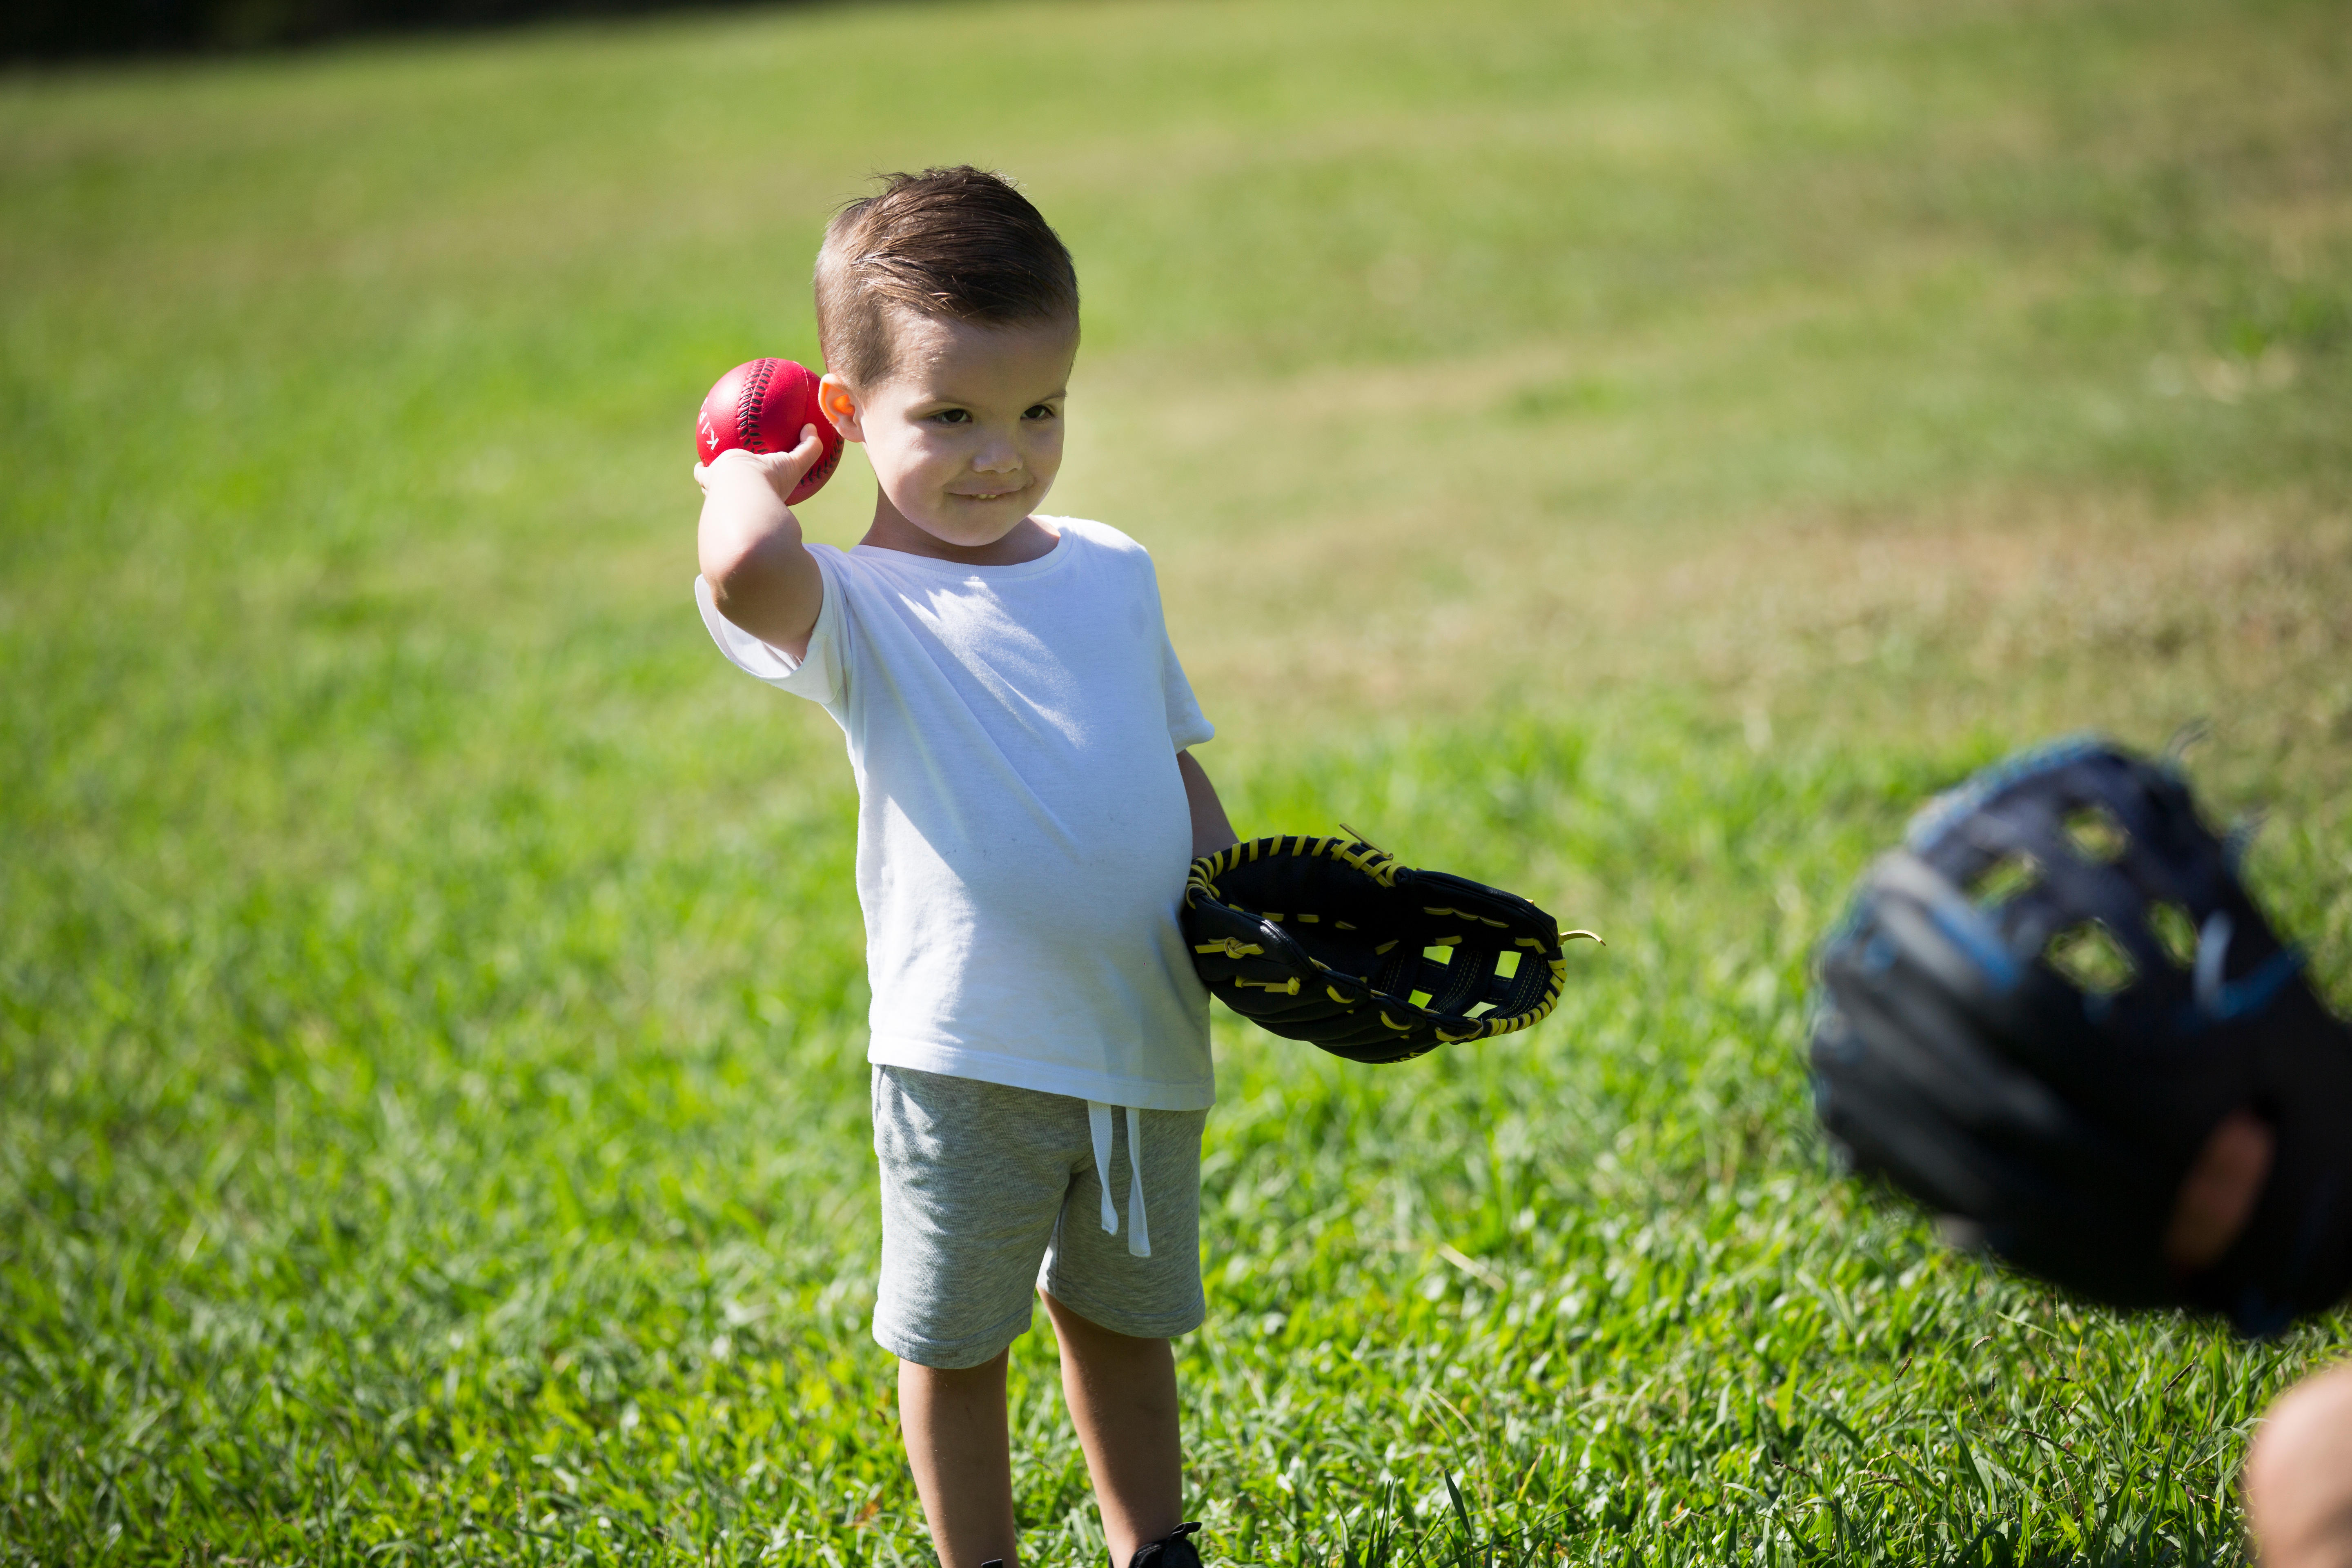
(1355, 850)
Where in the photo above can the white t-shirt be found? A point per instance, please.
(1022, 835)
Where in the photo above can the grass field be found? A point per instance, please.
(1634, 453)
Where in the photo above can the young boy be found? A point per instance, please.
(1027, 809)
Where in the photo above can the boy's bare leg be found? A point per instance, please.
(956, 1443)
(2298, 1478)
(1121, 1392)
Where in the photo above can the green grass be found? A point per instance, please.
(1633, 454)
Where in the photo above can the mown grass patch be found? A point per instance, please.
(1631, 455)
(453, 1215)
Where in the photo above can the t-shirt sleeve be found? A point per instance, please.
(818, 674)
(1187, 725)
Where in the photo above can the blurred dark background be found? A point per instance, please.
(68, 30)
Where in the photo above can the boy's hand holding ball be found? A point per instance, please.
(765, 445)
(767, 409)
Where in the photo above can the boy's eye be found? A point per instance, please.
(1039, 410)
(953, 416)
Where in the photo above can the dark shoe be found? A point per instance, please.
(1174, 1550)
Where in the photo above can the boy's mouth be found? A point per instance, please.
(987, 495)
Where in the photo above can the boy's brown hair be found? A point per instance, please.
(959, 243)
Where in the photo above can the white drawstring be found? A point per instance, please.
(1138, 1240)
(1099, 1122)
(1138, 1236)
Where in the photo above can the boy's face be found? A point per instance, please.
(965, 434)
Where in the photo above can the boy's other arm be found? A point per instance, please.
(761, 576)
(1210, 829)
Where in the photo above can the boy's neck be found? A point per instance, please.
(1025, 540)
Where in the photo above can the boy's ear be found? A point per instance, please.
(840, 405)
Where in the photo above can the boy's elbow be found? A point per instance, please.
(723, 560)
(742, 557)
(768, 587)
(719, 572)
(739, 589)
(741, 577)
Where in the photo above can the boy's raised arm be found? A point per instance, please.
(761, 577)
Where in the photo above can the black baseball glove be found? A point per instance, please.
(1331, 941)
(2038, 1010)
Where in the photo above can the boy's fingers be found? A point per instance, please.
(805, 455)
(785, 468)
(735, 457)
(782, 469)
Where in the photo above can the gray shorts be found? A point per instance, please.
(981, 1184)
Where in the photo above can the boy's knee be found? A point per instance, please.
(953, 1381)
(2298, 1476)
(1071, 1323)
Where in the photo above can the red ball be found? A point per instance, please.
(761, 406)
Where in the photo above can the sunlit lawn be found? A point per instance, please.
(1631, 453)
